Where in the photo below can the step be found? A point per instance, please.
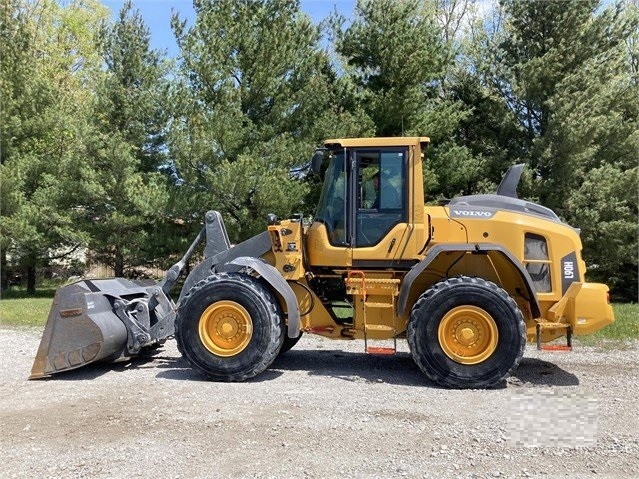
(358, 279)
(380, 350)
(551, 325)
(319, 329)
(555, 347)
(379, 328)
(370, 304)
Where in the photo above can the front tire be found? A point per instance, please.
(466, 333)
(288, 343)
(229, 327)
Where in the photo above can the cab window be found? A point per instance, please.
(331, 209)
(381, 193)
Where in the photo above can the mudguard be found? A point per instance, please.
(475, 248)
(275, 279)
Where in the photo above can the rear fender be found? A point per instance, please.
(500, 256)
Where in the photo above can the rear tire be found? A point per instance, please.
(229, 327)
(466, 333)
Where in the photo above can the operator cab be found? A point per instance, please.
(364, 194)
(370, 215)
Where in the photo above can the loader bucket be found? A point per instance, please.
(82, 327)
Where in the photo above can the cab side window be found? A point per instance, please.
(382, 193)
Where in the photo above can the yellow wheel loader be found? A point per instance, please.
(466, 283)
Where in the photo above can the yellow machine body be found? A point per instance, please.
(563, 297)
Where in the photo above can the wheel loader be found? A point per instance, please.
(466, 283)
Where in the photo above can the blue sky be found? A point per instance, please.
(157, 15)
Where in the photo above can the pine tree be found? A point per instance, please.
(395, 56)
(401, 55)
(124, 193)
(565, 71)
(255, 95)
(48, 62)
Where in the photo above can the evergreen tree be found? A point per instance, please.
(395, 55)
(564, 70)
(605, 207)
(256, 94)
(400, 55)
(124, 194)
(48, 63)
(489, 131)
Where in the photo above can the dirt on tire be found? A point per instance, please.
(323, 409)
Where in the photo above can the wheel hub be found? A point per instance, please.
(468, 335)
(225, 328)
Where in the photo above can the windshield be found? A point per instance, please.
(331, 209)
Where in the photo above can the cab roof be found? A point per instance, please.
(377, 142)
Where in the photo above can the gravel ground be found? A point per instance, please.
(324, 409)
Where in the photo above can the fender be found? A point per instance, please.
(477, 248)
(272, 276)
(255, 246)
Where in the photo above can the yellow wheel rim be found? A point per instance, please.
(468, 335)
(225, 328)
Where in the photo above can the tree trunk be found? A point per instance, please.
(4, 277)
(118, 266)
(31, 274)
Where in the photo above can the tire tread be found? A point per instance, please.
(276, 333)
(427, 298)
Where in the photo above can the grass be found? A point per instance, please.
(46, 289)
(17, 308)
(25, 311)
(625, 327)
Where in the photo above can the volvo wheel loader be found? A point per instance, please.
(466, 282)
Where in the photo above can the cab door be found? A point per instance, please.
(380, 206)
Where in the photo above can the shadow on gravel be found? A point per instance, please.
(95, 370)
(399, 369)
(360, 367)
(542, 373)
(180, 370)
(355, 367)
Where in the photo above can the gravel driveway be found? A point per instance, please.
(324, 409)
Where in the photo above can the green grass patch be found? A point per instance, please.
(18, 309)
(25, 311)
(45, 289)
(625, 327)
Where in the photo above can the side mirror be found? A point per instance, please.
(316, 162)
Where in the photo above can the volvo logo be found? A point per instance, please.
(459, 213)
